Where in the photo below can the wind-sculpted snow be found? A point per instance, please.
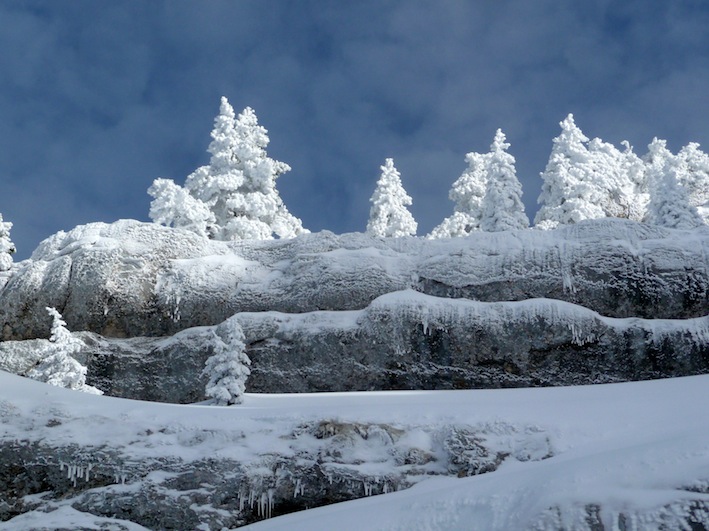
(132, 279)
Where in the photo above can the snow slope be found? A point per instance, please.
(632, 452)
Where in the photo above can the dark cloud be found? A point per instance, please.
(98, 99)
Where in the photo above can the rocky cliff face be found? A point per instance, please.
(134, 279)
(403, 340)
(602, 301)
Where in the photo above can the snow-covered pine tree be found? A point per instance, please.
(467, 193)
(239, 184)
(7, 248)
(228, 368)
(634, 205)
(669, 204)
(234, 197)
(388, 216)
(615, 180)
(58, 367)
(569, 193)
(502, 207)
(175, 207)
(694, 176)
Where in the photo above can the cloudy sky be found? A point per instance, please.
(99, 98)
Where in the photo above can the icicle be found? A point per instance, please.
(367, 488)
(265, 504)
(176, 310)
(119, 477)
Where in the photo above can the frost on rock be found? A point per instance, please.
(132, 279)
(58, 367)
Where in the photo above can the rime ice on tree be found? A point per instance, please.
(617, 179)
(467, 192)
(59, 368)
(568, 194)
(502, 207)
(669, 200)
(388, 216)
(174, 206)
(7, 248)
(694, 176)
(235, 196)
(228, 368)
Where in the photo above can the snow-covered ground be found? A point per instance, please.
(636, 452)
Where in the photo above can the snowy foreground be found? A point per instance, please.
(632, 454)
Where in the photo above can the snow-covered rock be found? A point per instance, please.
(191, 466)
(590, 457)
(132, 279)
(403, 340)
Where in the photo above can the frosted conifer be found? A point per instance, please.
(502, 207)
(228, 368)
(234, 197)
(58, 367)
(614, 178)
(239, 184)
(7, 248)
(175, 207)
(694, 176)
(467, 193)
(388, 216)
(569, 193)
(669, 204)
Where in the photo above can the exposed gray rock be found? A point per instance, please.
(403, 340)
(133, 279)
(321, 466)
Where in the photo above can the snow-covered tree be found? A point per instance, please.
(694, 176)
(633, 204)
(58, 367)
(228, 367)
(175, 207)
(569, 192)
(388, 216)
(7, 248)
(502, 207)
(616, 178)
(234, 197)
(467, 193)
(669, 204)
(239, 185)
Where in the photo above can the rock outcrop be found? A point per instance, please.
(131, 279)
(601, 301)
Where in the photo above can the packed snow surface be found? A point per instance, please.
(632, 448)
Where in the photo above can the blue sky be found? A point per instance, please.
(99, 98)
